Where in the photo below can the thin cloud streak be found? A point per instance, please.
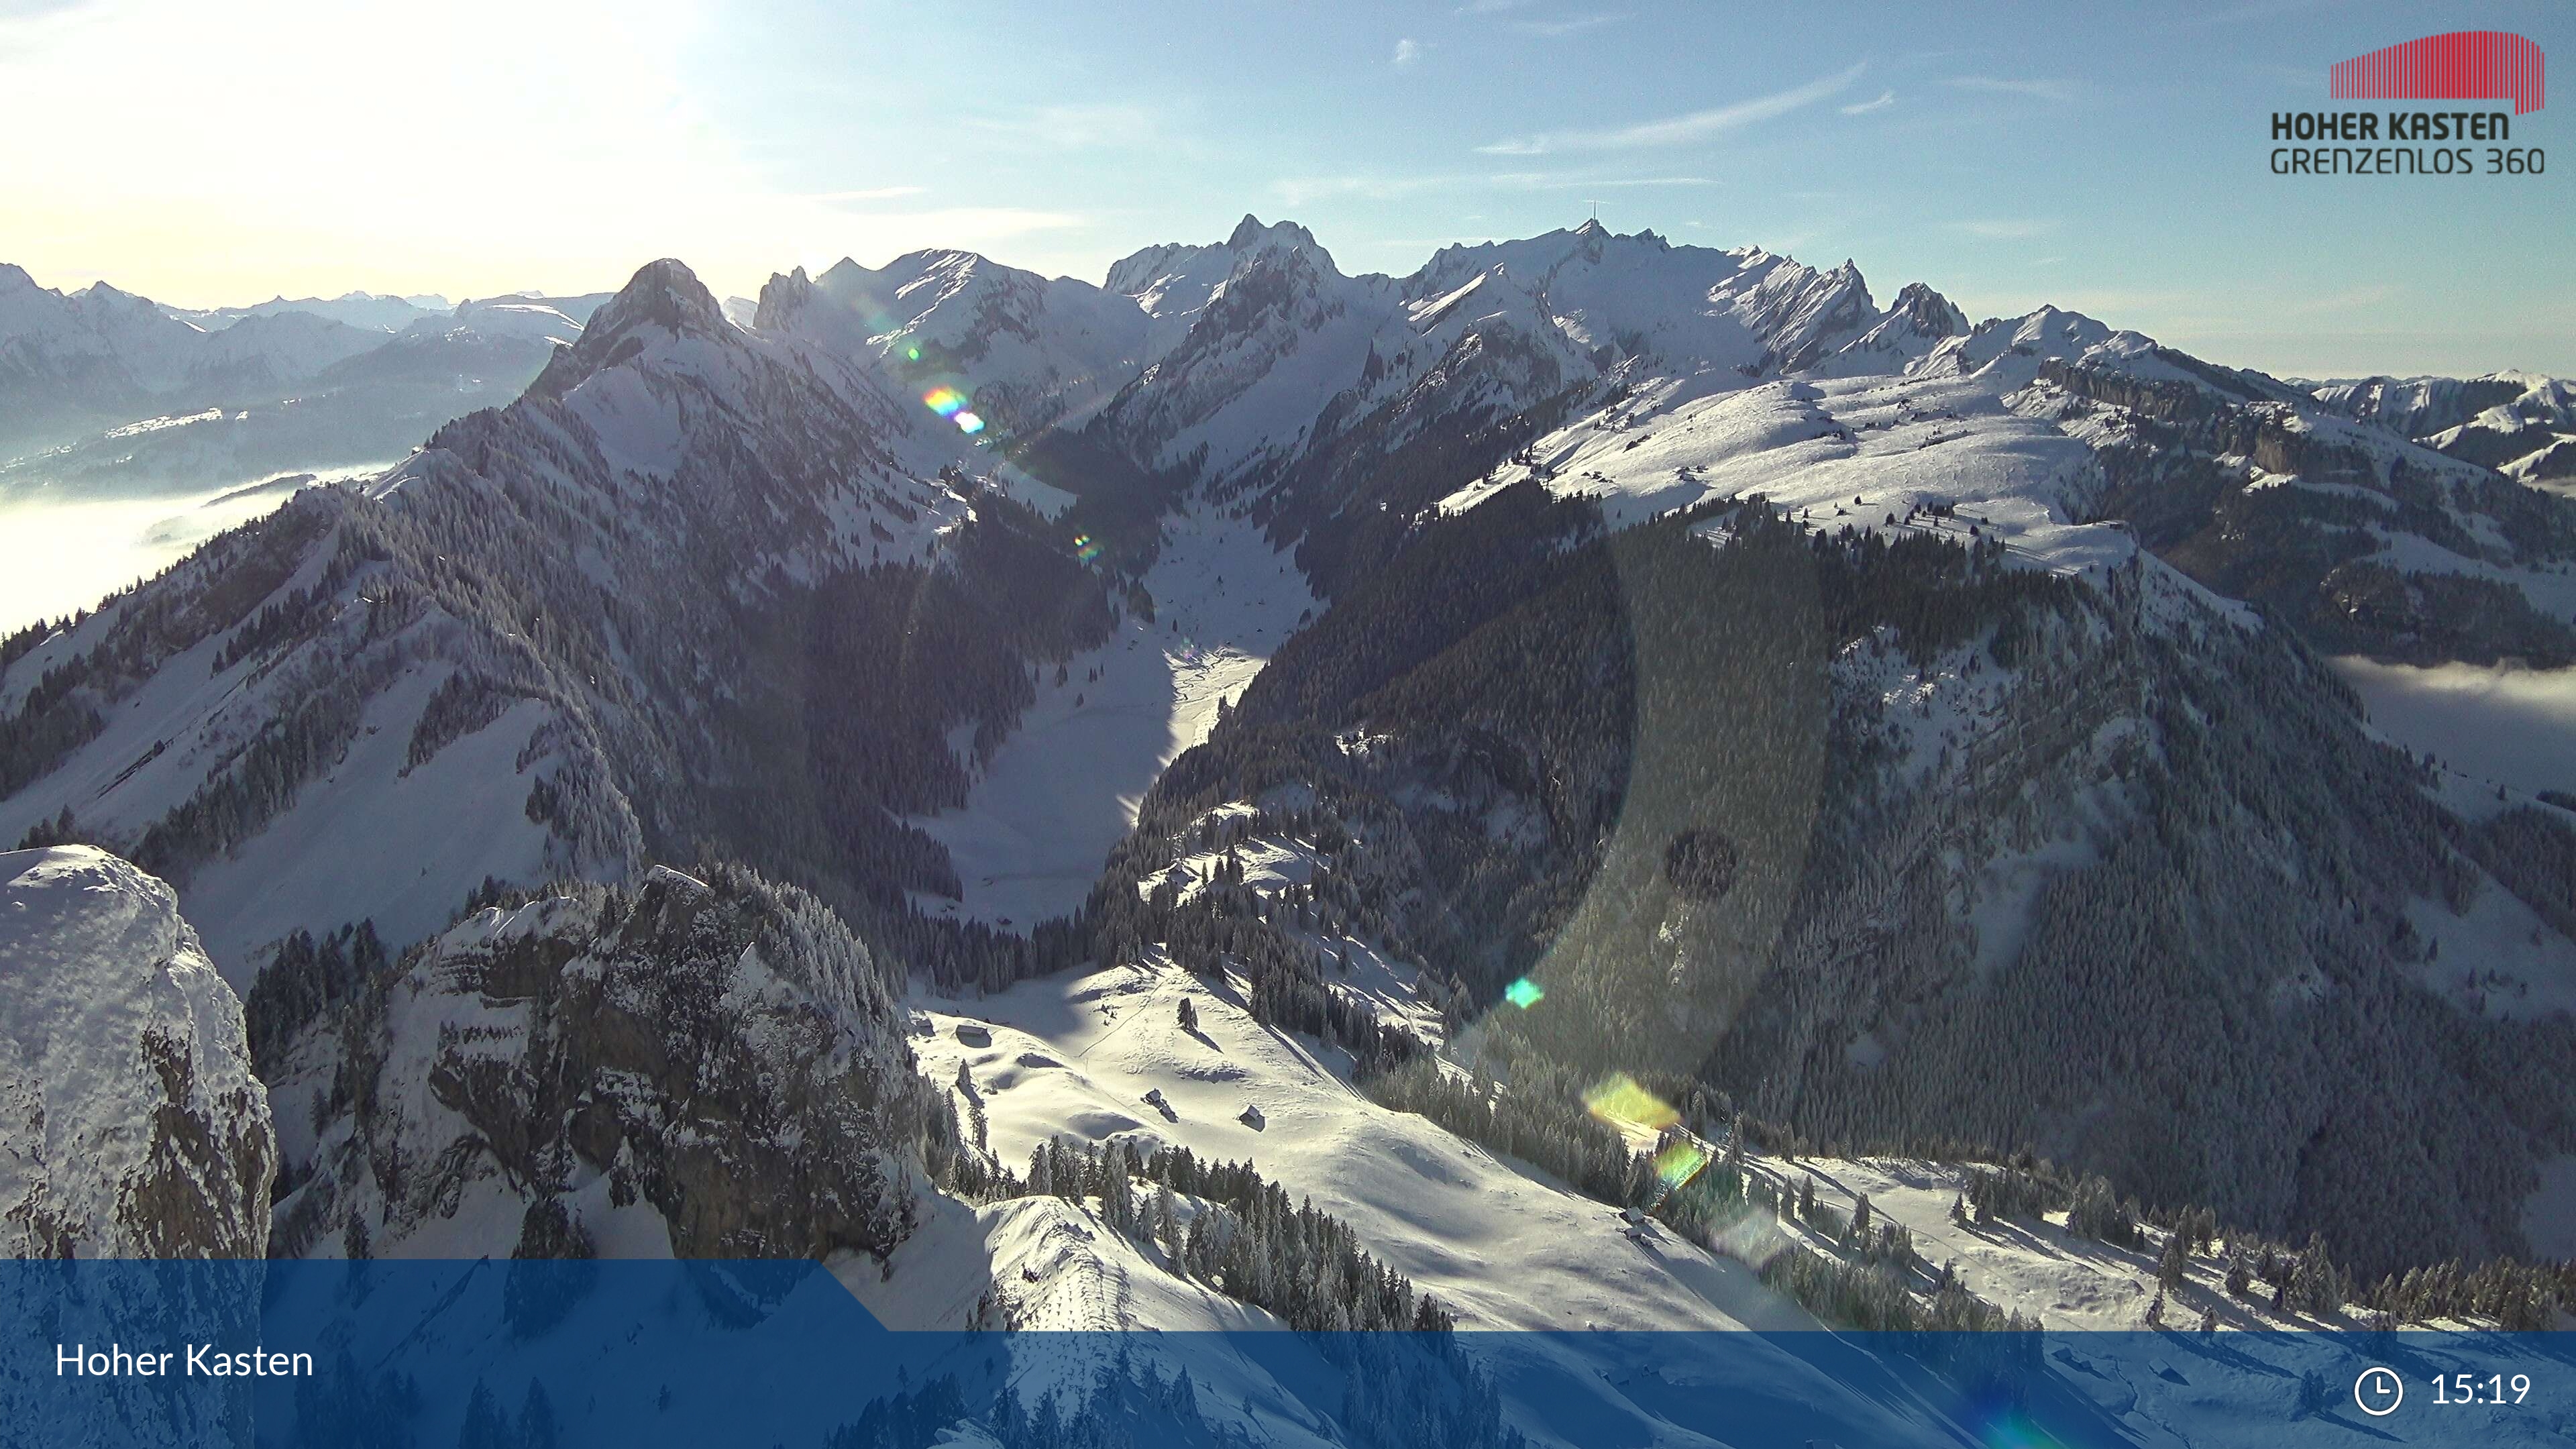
(1680, 130)
(1863, 108)
(873, 193)
(2046, 90)
(1559, 181)
(1571, 25)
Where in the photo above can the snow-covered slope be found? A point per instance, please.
(1936, 457)
(1745, 311)
(130, 1123)
(1079, 1054)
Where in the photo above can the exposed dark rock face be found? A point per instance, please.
(718, 1060)
(2256, 499)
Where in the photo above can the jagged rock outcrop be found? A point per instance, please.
(130, 1122)
(707, 1068)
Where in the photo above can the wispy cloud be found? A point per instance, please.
(873, 193)
(1080, 127)
(1679, 130)
(2046, 90)
(1567, 25)
(1549, 26)
(1567, 181)
(1863, 108)
(1407, 52)
(2006, 228)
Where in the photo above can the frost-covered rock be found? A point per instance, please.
(130, 1123)
(701, 1068)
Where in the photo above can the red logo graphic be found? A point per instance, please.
(2461, 65)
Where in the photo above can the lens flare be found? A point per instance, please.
(1621, 1102)
(949, 403)
(1084, 548)
(1678, 1163)
(2005, 1427)
(1523, 993)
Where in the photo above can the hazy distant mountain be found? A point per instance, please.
(357, 309)
(2521, 424)
(105, 395)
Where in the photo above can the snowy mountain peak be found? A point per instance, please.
(1929, 313)
(665, 294)
(1028, 350)
(1918, 321)
(664, 299)
(1250, 234)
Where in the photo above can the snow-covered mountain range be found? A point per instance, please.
(106, 394)
(1899, 746)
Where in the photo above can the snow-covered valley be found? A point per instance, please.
(1046, 808)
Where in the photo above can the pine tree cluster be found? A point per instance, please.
(1249, 1242)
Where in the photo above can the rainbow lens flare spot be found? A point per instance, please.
(948, 402)
(1084, 548)
(1677, 1164)
(968, 423)
(1523, 993)
(1619, 1101)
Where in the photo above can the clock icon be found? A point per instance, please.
(2378, 1391)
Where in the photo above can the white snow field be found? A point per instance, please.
(1495, 1241)
(1589, 1329)
(1844, 452)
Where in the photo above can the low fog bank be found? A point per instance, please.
(59, 557)
(2513, 725)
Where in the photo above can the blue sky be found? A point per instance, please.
(2107, 158)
